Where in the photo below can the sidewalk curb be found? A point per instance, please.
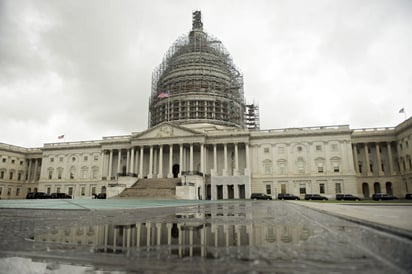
(386, 228)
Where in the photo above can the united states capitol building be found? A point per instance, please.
(204, 142)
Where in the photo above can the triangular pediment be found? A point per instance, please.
(165, 130)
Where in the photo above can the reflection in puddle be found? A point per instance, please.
(183, 235)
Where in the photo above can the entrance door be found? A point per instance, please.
(219, 192)
(283, 188)
(242, 192)
(230, 192)
(175, 170)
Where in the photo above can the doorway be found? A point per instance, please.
(175, 170)
(365, 190)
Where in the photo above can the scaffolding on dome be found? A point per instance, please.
(199, 80)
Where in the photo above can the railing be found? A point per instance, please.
(378, 129)
(77, 143)
(195, 172)
(305, 129)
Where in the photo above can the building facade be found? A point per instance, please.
(200, 131)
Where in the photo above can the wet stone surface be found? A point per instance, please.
(238, 237)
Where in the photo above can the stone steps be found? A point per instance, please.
(152, 188)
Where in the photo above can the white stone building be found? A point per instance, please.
(199, 134)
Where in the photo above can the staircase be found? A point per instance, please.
(152, 188)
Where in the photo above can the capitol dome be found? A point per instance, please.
(197, 83)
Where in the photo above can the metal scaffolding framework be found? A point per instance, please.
(197, 82)
(252, 118)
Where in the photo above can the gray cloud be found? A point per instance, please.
(83, 68)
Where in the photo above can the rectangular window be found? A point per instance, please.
(17, 191)
(48, 190)
(85, 158)
(93, 190)
(281, 149)
(61, 159)
(83, 191)
(58, 189)
(322, 188)
(302, 188)
(1, 174)
(266, 150)
(50, 174)
(334, 147)
(338, 188)
(320, 169)
(268, 189)
(18, 176)
(268, 168)
(1, 191)
(96, 157)
(70, 191)
(4, 160)
(8, 191)
(336, 169)
(21, 163)
(11, 175)
(12, 161)
(318, 148)
(51, 159)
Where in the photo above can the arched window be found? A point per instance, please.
(72, 172)
(267, 166)
(50, 172)
(300, 163)
(282, 166)
(84, 172)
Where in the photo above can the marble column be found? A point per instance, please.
(29, 171)
(379, 160)
(390, 159)
(141, 162)
(355, 157)
(127, 161)
(170, 174)
(225, 160)
(160, 174)
(36, 163)
(367, 161)
(247, 160)
(202, 163)
(236, 172)
(119, 158)
(214, 160)
(132, 161)
(180, 159)
(191, 158)
(150, 175)
(110, 164)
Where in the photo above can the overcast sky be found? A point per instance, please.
(84, 68)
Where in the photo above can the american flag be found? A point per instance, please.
(60, 137)
(163, 94)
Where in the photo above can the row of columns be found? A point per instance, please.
(378, 158)
(32, 175)
(135, 160)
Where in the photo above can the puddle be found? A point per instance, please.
(184, 235)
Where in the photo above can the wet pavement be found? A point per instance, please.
(135, 236)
